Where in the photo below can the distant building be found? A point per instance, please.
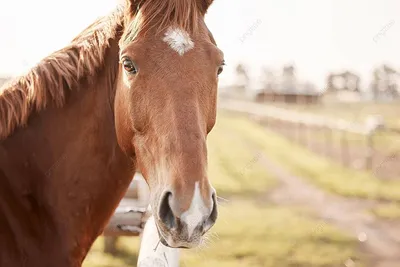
(386, 84)
(286, 89)
(292, 94)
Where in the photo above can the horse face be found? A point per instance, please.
(165, 106)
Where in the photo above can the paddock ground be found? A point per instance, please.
(282, 205)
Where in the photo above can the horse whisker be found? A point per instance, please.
(158, 243)
(223, 199)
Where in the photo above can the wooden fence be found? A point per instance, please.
(130, 217)
(133, 218)
(334, 136)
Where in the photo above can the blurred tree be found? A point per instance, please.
(351, 81)
(289, 78)
(268, 79)
(330, 87)
(375, 84)
(241, 70)
(343, 81)
(242, 76)
(289, 71)
(389, 70)
(392, 87)
(385, 82)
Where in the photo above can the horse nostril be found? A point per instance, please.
(213, 216)
(165, 212)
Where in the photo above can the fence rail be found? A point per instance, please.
(133, 218)
(290, 116)
(303, 128)
(130, 217)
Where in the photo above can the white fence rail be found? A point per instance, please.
(303, 126)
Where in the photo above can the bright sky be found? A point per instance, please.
(317, 36)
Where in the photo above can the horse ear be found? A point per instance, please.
(204, 5)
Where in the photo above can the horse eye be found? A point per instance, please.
(221, 67)
(129, 66)
(220, 70)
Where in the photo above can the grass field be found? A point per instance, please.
(383, 141)
(358, 113)
(232, 166)
(387, 211)
(256, 236)
(250, 232)
(323, 172)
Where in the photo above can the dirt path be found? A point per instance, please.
(379, 240)
(348, 214)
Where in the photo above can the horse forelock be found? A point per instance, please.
(160, 15)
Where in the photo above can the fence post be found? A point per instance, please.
(278, 126)
(370, 153)
(308, 131)
(328, 139)
(110, 245)
(152, 252)
(298, 132)
(305, 135)
(265, 122)
(344, 148)
(285, 128)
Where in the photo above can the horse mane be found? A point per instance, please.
(64, 70)
(161, 14)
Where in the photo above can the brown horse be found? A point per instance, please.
(135, 90)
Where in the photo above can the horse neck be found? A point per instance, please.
(68, 165)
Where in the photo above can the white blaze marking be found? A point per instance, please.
(149, 256)
(196, 212)
(179, 40)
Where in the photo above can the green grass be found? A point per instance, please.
(128, 248)
(318, 170)
(389, 211)
(250, 235)
(385, 142)
(233, 168)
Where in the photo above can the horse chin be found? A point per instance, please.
(183, 244)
